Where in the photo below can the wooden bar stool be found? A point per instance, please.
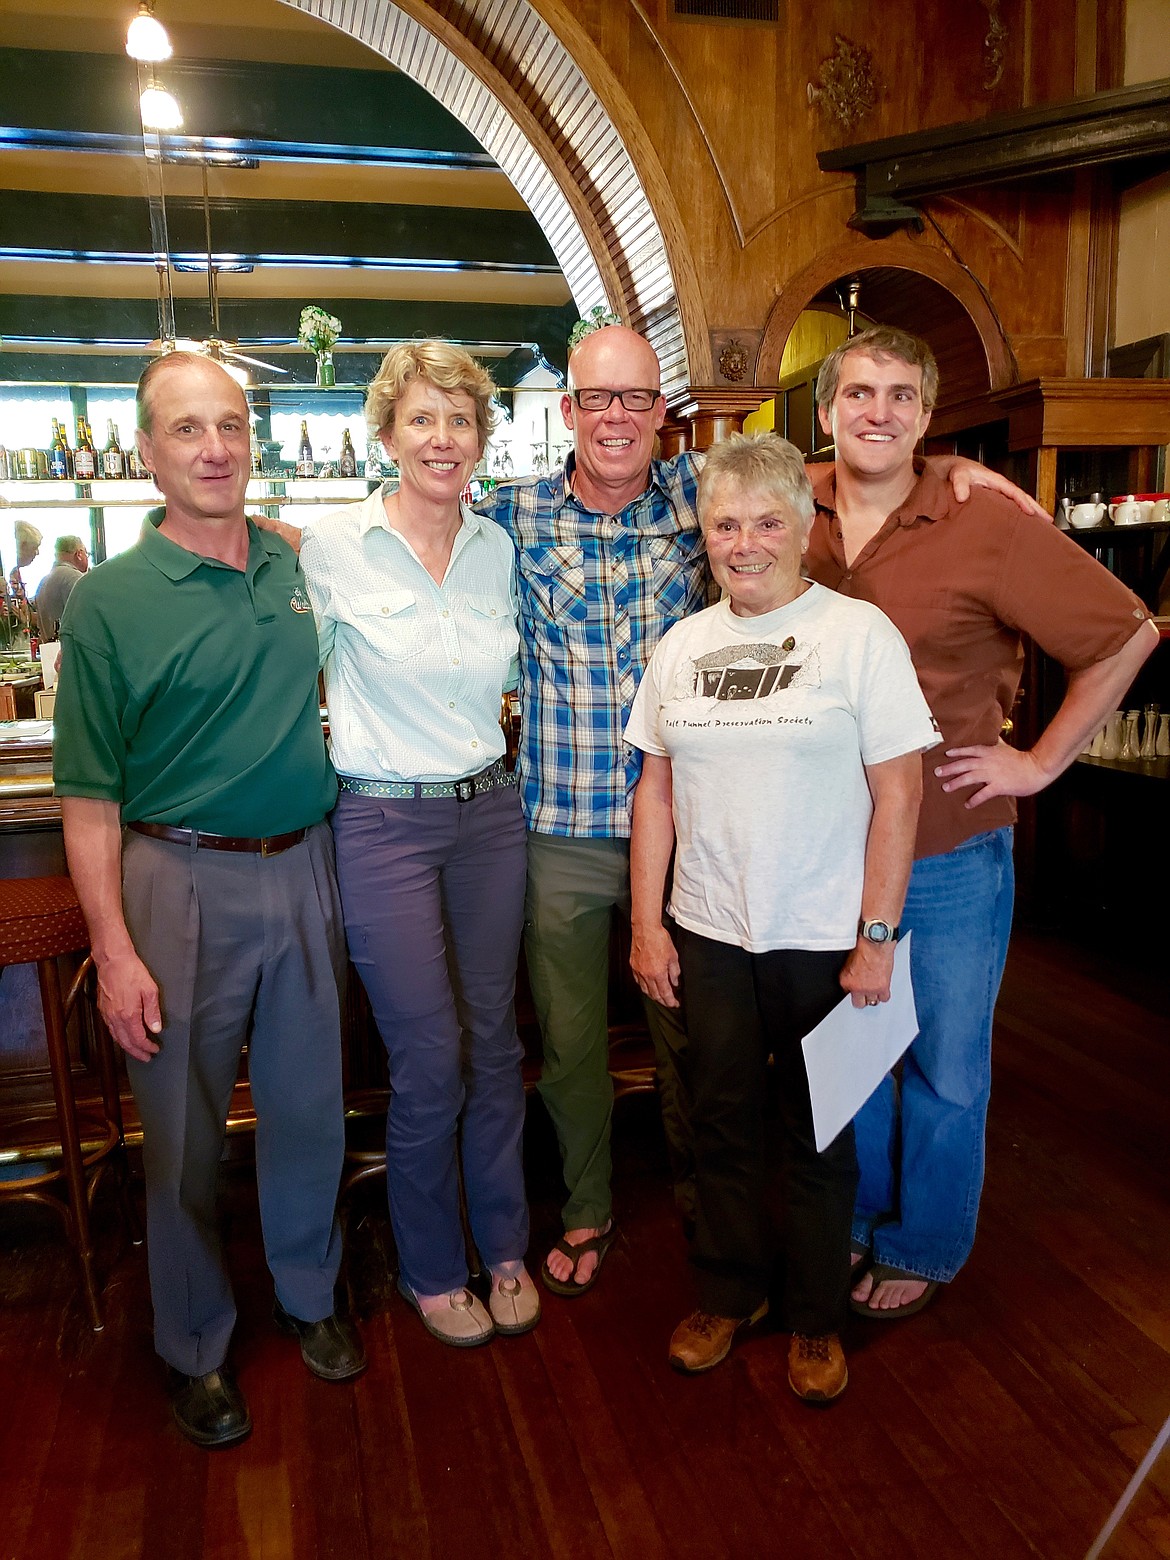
(41, 921)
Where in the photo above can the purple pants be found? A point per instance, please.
(433, 896)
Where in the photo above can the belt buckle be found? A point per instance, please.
(465, 789)
(264, 844)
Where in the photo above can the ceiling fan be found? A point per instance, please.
(214, 344)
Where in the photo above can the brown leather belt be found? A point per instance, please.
(272, 846)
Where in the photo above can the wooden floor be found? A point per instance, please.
(1005, 1421)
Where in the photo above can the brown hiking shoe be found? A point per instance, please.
(816, 1368)
(699, 1343)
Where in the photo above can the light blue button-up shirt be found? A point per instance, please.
(414, 670)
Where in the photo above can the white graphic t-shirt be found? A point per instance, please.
(768, 723)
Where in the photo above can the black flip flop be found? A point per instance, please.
(569, 1287)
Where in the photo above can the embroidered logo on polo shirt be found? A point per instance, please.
(299, 601)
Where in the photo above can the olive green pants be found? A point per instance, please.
(574, 887)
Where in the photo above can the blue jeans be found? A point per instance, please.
(920, 1147)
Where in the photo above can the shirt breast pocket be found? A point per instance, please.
(679, 564)
(553, 583)
(490, 627)
(388, 621)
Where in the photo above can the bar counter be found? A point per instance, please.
(31, 845)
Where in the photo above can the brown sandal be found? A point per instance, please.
(879, 1272)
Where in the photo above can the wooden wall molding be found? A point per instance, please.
(861, 254)
(1011, 244)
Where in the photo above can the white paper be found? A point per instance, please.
(49, 652)
(853, 1048)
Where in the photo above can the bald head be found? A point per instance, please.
(612, 444)
(614, 350)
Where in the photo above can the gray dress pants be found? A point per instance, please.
(245, 949)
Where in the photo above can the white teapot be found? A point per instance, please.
(1084, 515)
(1130, 511)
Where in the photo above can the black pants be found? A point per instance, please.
(741, 1009)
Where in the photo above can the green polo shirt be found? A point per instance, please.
(188, 690)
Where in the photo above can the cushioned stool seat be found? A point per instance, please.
(40, 922)
(39, 919)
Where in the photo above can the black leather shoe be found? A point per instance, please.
(332, 1349)
(210, 1410)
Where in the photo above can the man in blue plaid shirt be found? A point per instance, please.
(609, 555)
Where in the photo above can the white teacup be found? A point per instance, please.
(1161, 509)
(1131, 511)
(1084, 515)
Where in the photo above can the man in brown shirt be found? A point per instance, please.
(963, 582)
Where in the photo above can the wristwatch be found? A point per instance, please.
(878, 931)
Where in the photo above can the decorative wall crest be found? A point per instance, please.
(733, 361)
(848, 86)
(734, 354)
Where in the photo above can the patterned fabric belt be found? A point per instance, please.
(462, 790)
(272, 846)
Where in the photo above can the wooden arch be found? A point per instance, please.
(544, 103)
(859, 255)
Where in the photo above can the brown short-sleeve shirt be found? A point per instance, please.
(963, 583)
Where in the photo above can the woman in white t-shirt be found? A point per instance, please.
(781, 730)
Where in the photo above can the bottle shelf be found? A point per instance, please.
(127, 493)
(1149, 768)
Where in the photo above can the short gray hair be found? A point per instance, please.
(143, 411)
(68, 545)
(760, 463)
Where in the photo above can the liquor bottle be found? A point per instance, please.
(305, 466)
(347, 460)
(257, 454)
(113, 460)
(68, 452)
(85, 460)
(3, 464)
(373, 463)
(58, 459)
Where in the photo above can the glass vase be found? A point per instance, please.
(1131, 741)
(325, 376)
(1149, 745)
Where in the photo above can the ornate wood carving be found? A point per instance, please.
(734, 355)
(848, 86)
(994, 46)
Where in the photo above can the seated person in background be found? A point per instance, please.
(28, 545)
(416, 610)
(781, 731)
(71, 562)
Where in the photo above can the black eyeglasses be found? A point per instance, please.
(602, 400)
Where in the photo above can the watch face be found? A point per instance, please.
(877, 931)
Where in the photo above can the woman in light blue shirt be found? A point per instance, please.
(416, 610)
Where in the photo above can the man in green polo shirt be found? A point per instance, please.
(189, 758)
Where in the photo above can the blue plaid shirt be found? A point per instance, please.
(597, 593)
